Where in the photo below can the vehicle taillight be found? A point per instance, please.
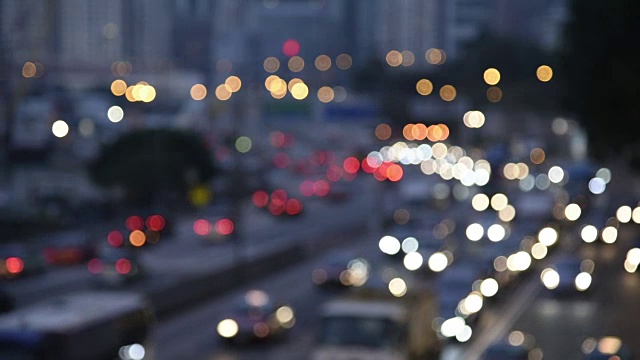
(95, 266)
(14, 264)
(123, 266)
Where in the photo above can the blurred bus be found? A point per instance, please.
(83, 325)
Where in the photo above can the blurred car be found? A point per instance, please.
(69, 248)
(18, 259)
(256, 318)
(569, 274)
(606, 348)
(115, 266)
(341, 270)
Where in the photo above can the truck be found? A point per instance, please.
(80, 325)
(370, 323)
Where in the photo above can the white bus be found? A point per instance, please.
(83, 325)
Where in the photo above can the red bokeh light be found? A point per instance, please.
(334, 172)
(293, 207)
(306, 188)
(14, 265)
(260, 198)
(279, 197)
(123, 266)
(95, 266)
(115, 238)
(202, 227)
(224, 226)
(351, 165)
(156, 222)
(291, 48)
(277, 139)
(276, 209)
(281, 160)
(321, 188)
(134, 223)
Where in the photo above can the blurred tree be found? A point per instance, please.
(603, 76)
(153, 165)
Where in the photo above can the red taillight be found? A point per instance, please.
(123, 266)
(202, 227)
(224, 226)
(14, 264)
(95, 266)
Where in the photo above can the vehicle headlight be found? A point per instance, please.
(583, 281)
(227, 328)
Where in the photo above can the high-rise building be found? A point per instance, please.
(89, 32)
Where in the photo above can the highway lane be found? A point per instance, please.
(185, 254)
(192, 334)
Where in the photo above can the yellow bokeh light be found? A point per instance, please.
(544, 73)
(293, 82)
(198, 92)
(136, 91)
(269, 80)
(325, 94)
(147, 93)
(299, 91)
(424, 87)
(407, 58)
(29, 69)
(60, 128)
(271, 64)
(233, 83)
(118, 87)
(394, 58)
(448, 93)
(537, 156)
(296, 64)
(491, 76)
(494, 94)
(278, 86)
(344, 61)
(222, 93)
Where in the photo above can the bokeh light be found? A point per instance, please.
(448, 93)
(537, 156)
(296, 64)
(394, 58)
(198, 92)
(118, 87)
(233, 83)
(115, 114)
(60, 128)
(544, 73)
(424, 87)
(343, 61)
(271, 64)
(491, 76)
(323, 62)
(325, 94)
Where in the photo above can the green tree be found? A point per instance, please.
(153, 165)
(602, 73)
